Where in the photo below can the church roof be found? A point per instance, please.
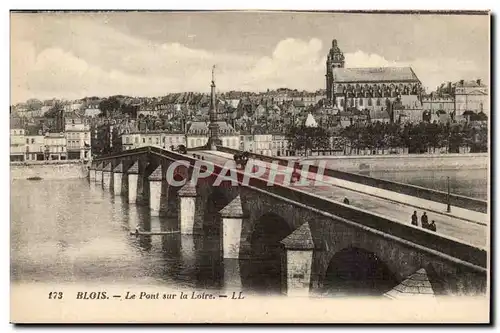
(374, 74)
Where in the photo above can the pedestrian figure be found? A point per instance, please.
(346, 201)
(425, 221)
(432, 226)
(414, 218)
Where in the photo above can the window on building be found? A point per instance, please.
(143, 140)
(127, 140)
(27, 141)
(136, 140)
(164, 139)
(360, 102)
(157, 140)
(378, 101)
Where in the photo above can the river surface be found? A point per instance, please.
(470, 183)
(70, 231)
(73, 231)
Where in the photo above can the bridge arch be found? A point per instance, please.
(263, 271)
(215, 201)
(354, 271)
(267, 233)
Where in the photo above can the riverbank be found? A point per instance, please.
(48, 170)
(408, 162)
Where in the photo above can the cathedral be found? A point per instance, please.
(368, 88)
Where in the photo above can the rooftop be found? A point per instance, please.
(374, 74)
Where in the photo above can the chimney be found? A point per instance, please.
(478, 82)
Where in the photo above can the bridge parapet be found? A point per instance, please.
(412, 190)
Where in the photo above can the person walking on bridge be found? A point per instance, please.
(414, 218)
(432, 226)
(425, 221)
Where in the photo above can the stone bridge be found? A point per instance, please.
(321, 244)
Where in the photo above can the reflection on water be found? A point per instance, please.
(73, 231)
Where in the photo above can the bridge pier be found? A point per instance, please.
(142, 196)
(157, 195)
(133, 178)
(232, 275)
(98, 173)
(106, 176)
(232, 222)
(92, 172)
(187, 210)
(117, 179)
(297, 262)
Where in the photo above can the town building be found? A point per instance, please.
(280, 145)
(160, 139)
(246, 141)
(435, 103)
(263, 144)
(55, 146)
(77, 134)
(198, 133)
(17, 140)
(71, 107)
(35, 144)
(470, 96)
(92, 110)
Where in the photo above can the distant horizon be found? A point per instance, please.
(70, 56)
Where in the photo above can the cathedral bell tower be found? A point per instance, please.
(213, 127)
(335, 59)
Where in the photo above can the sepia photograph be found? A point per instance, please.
(250, 167)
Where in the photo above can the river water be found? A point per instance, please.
(70, 231)
(470, 183)
(73, 231)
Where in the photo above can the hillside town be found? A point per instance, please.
(361, 111)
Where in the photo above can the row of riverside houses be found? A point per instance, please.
(271, 144)
(33, 142)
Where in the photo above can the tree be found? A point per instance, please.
(303, 138)
(33, 104)
(54, 111)
(109, 105)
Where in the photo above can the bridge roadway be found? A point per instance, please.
(461, 224)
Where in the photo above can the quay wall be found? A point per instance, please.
(48, 170)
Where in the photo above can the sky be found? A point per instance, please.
(73, 55)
